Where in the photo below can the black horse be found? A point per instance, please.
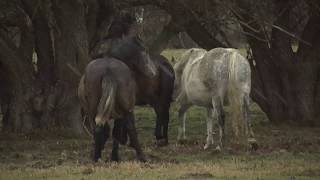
(155, 91)
(108, 91)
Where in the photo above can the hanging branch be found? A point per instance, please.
(291, 34)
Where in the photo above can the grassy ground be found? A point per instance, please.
(284, 153)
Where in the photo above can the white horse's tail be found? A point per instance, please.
(235, 97)
(107, 100)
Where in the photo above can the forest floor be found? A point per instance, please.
(284, 153)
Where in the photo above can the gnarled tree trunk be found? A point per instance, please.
(59, 33)
(286, 83)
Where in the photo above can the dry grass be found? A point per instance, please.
(285, 152)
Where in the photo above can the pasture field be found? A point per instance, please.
(285, 152)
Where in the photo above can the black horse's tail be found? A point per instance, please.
(107, 101)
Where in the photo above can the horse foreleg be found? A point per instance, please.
(158, 129)
(165, 120)
(162, 123)
(134, 137)
(182, 119)
(209, 129)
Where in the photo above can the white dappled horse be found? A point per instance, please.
(205, 78)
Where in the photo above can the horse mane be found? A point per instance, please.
(126, 48)
(120, 26)
(185, 57)
(179, 66)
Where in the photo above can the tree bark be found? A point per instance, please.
(184, 16)
(19, 75)
(287, 81)
(60, 33)
(162, 40)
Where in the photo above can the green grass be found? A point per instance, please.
(176, 53)
(284, 153)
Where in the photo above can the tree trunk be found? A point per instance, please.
(162, 40)
(70, 44)
(60, 37)
(184, 16)
(285, 84)
(18, 84)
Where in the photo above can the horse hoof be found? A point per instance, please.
(182, 141)
(131, 145)
(206, 147)
(142, 158)
(115, 158)
(162, 142)
(218, 148)
(99, 160)
(254, 146)
(96, 159)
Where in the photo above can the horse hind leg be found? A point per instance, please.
(209, 128)
(218, 108)
(134, 137)
(182, 119)
(119, 135)
(249, 132)
(101, 134)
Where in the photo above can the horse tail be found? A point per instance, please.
(83, 99)
(235, 96)
(107, 101)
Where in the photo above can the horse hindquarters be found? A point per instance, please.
(238, 94)
(104, 111)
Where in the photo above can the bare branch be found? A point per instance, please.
(291, 34)
(74, 69)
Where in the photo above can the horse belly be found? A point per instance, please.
(198, 93)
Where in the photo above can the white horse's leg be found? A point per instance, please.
(209, 128)
(182, 119)
(247, 119)
(218, 108)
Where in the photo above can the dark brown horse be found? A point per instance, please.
(108, 91)
(155, 91)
